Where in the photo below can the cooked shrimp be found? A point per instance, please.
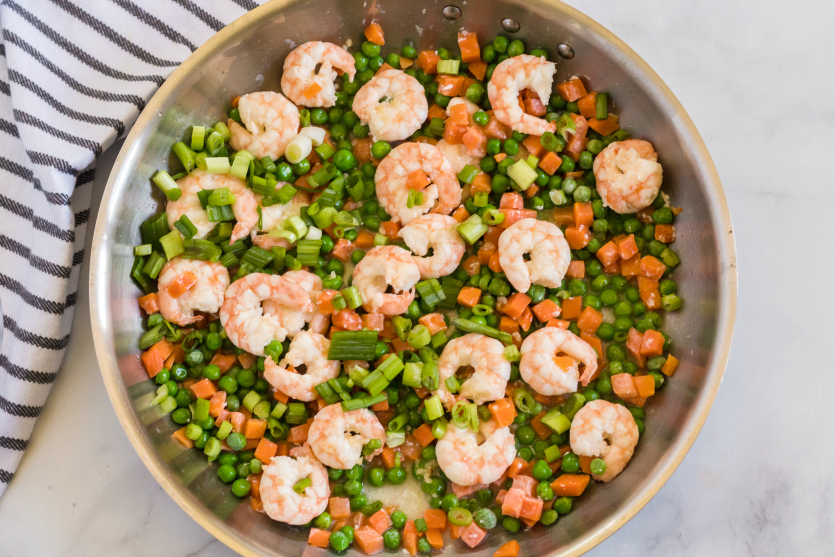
(294, 319)
(337, 437)
(275, 215)
(628, 175)
(281, 502)
(491, 369)
(300, 77)
(548, 249)
(244, 208)
(607, 431)
(206, 295)
(383, 267)
(457, 155)
(271, 123)
(393, 104)
(514, 75)
(546, 371)
(243, 317)
(441, 196)
(438, 233)
(465, 462)
(311, 351)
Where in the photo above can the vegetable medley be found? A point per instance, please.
(428, 267)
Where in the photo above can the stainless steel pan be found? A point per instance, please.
(247, 56)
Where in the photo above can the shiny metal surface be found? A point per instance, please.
(247, 56)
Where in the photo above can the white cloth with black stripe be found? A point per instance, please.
(74, 75)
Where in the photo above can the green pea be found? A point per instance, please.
(549, 517)
(622, 324)
(510, 524)
(632, 294)
(526, 435)
(339, 541)
(567, 165)
(619, 283)
(428, 453)
(494, 147)
(609, 297)
(449, 501)
(544, 490)
(396, 475)
(582, 194)
(334, 115)
(516, 48)
(604, 383)
(162, 377)
(577, 287)
(500, 44)
(485, 519)
(590, 394)
(570, 463)
(370, 49)
(228, 384)
(181, 416)
(246, 378)
(541, 470)
(233, 403)
(592, 301)
(563, 505)
(391, 538)
(353, 488)
(335, 473)
(211, 372)
(605, 331)
(357, 502)
(226, 473)
(616, 352)
(667, 287)
(499, 183)
(360, 63)
(664, 215)
(511, 147)
(586, 159)
(398, 519)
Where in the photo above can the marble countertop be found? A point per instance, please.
(755, 79)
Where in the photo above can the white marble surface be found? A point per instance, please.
(756, 77)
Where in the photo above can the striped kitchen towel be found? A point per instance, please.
(74, 75)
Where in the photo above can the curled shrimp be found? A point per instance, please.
(308, 350)
(514, 75)
(466, 463)
(438, 233)
(628, 175)
(441, 196)
(383, 267)
(244, 208)
(300, 73)
(546, 371)
(607, 431)
(548, 249)
(243, 318)
(393, 104)
(206, 295)
(337, 437)
(271, 123)
(491, 369)
(281, 502)
(293, 319)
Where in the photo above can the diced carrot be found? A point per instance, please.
(365, 240)
(435, 538)
(312, 90)
(546, 310)
(237, 419)
(180, 436)
(494, 263)
(495, 129)
(474, 140)
(499, 157)
(468, 44)
(624, 386)
(563, 216)
(577, 236)
(266, 450)
(511, 200)
(631, 267)
(645, 385)
(478, 69)
(454, 133)
(149, 303)
(605, 127)
(516, 305)
(247, 360)
(558, 323)
(217, 403)
(427, 61)
(650, 295)
(472, 535)
(526, 319)
(595, 343)
(572, 307)
(388, 455)
(339, 507)
(181, 284)
(510, 549)
(390, 229)
(325, 304)
(435, 518)
(298, 434)
(665, 233)
(374, 33)
(434, 322)
(235, 101)
(512, 216)
(318, 538)
(154, 358)
(486, 251)
(518, 466)
(450, 85)
(570, 485)
(255, 429)
(373, 321)
(653, 343)
(572, 90)
(361, 147)
(469, 296)
(590, 320)
(533, 145)
(508, 325)
(460, 214)
(343, 249)
(178, 356)
(401, 346)
(652, 268)
(587, 105)
(577, 142)
(405, 62)
(531, 510)
(541, 429)
(534, 107)
(410, 542)
(417, 180)
(383, 68)
(576, 269)
(368, 539)
(459, 115)
(550, 163)
(628, 247)
(348, 319)
(423, 435)
(531, 191)
(411, 448)
(283, 449)
(585, 464)
(380, 406)
(513, 501)
(436, 111)
(455, 531)
(583, 214)
(223, 361)
(634, 341)
(669, 367)
(204, 389)
(608, 254)
(380, 521)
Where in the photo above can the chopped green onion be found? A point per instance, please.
(167, 185)
(154, 228)
(295, 225)
(468, 174)
(375, 383)
(473, 228)
(480, 199)
(323, 175)
(326, 392)
(511, 353)
(364, 402)
(344, 218)
(307, 251)
(358, 374)
(279, 410)
(162, 392)
(220, 213)
(402, 326)
(601, 111)
(471, 327)
(399, 422)
(325, 217)
(391, 367)
(250, 400)
(185, 155)
(240, 167)
(380, 239)
(373, 445)
(670, 258)
(214, 143)
(262, 410)
(141, 278)
(414, 198)
(151, 337)
(295, 413)
(298, 149)
(325, 151)
(286, 193)
(430, 291)
(202, 250)
(452, 384)
(353, 345)
(172, 244)
(301, 485)
(566, 125)
(434, 408)
(352, 297)
(523, 400)
(430, 376)
(185, 226)
(217, 165)
(224, 430)
(419, 336)
(448, 66)
(221, 196)
(228, 260)
(436, 127)
(273, 350)
(395, 438)
(412, 373)
(439, 428)
(258, 257)
(198, 137)
(438, 339)
(556, 421)
(338, 301)
(154, 265)
(522, 174)
(223, 130)
(549, 141)
(144, 249)
(200, 160)
(451, 287)
(463, 414)
(168, 404)
(532, 161)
